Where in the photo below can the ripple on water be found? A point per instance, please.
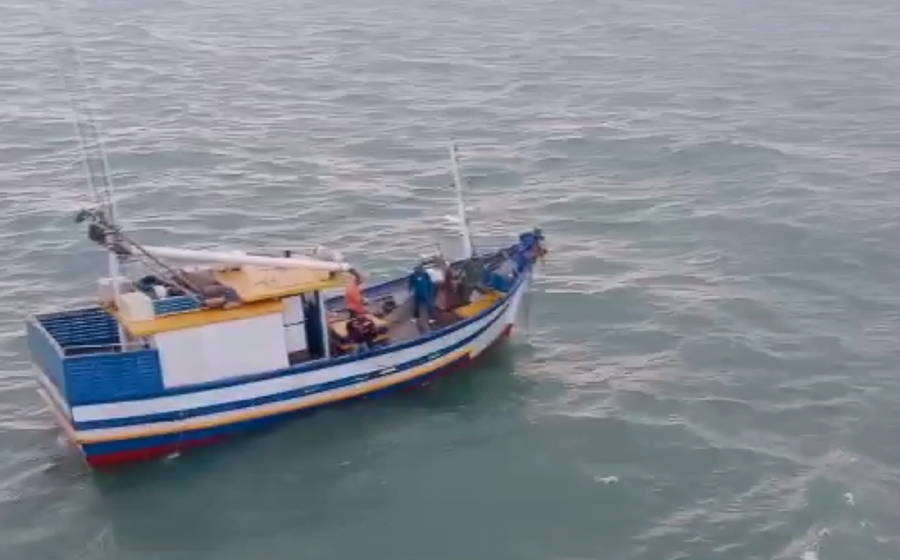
(710, 360)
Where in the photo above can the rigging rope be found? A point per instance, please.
(90, 141)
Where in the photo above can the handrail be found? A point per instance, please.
(36, 324)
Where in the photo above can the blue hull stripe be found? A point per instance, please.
(185, 439)
(274, 398)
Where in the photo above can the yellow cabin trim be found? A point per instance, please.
(198, 318)
(254, 283)
(476, 307)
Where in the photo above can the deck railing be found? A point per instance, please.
(175, 304)
(80, 353)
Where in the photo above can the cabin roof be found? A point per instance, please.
(255, 283)
(258, 288)
(178, 321)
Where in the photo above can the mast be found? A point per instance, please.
(90, 141)
(461, 218)
(103, 227)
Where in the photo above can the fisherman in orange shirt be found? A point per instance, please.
(353, 298)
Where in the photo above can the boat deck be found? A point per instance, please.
(400, 326)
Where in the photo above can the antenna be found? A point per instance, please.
(88, 132)
(102, 228)
(461, 218)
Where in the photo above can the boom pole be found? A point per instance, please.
(462, 218)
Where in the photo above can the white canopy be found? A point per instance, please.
(218, 257)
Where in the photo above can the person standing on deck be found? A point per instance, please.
(353, 298)
(422, 288)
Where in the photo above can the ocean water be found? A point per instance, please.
(709, 366)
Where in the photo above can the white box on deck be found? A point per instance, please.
(294, 324)
(293, 310)
(295, 338)
(106, 288)
(135, 306)
(222, 350)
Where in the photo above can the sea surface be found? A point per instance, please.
(709, 364)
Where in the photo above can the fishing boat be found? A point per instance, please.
(180, 347)
(234, 341)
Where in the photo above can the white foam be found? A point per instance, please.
(607, 479)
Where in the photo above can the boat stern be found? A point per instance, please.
(80, 360)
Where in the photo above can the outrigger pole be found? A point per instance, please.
(461, 219)
(110, 234)
(90, 142)
(239, 258)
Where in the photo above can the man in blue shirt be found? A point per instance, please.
(422, 288)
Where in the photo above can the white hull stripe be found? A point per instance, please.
(257, 412)
(273, 391)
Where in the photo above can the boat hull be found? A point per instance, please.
(114, 433)
(158, 447)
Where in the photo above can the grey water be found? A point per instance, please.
(709, 365)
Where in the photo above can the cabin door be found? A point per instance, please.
(313, 325)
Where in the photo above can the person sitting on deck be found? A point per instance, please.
(422, 288)
(361, 331)
(453, 289)
(353, 298)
